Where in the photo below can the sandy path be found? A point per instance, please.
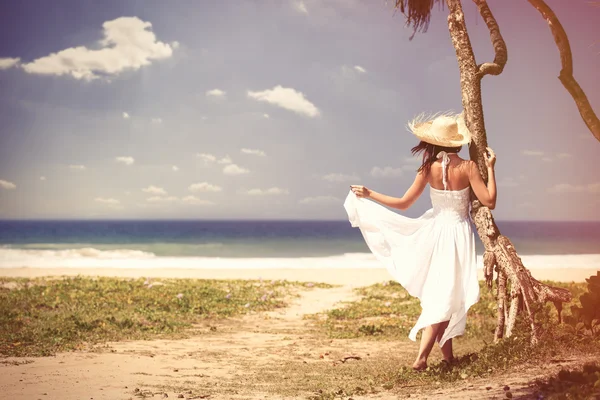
(336, 276)
(214, 362)
(226, 362)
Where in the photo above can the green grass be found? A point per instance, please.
(386, 312)
(43, 316)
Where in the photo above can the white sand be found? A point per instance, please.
(342, 276)
(225, 364)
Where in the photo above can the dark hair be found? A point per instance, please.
(430, 152)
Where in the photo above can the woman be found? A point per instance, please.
(433, 256)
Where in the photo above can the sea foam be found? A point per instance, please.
(90, 257)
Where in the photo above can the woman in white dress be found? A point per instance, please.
(433, 256)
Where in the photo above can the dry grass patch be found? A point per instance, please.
(39, 317)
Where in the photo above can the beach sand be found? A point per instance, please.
(338, 276)
(231, 360)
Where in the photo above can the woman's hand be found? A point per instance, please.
(360, 191)
(490, 158)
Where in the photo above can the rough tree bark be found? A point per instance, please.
(566, 73)
(499, 251)
(500, 254)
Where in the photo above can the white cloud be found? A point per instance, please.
(233, 169)
(334, 177)
(193, 200)
(187, 200)
(109, 201)
(319, 200)
(77, 167)
(386, 172)
(274, 191)
(207, 158)
(300, 7)
(215, 93)
(286, 98)
(547, 159)
(563, 155)
(125, 115)
(128, 44)
(175, 44)
(204, 187)
(6, 63)
(255, 152)
(42, 178)
(159, 199)
(175, 168)
(568, 188)
(7, 185)
(154, 190)
(125, 160)
(225, 160)
(535, 153)
(266, 116)
(352, 72)
(157, 120)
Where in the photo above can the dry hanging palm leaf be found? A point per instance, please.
(417, 12)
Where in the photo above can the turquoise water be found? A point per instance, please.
(93, 243)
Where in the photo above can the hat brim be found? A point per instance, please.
(422, 130)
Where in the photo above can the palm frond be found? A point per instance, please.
(417, 12)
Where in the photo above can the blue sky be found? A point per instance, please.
(270, 109)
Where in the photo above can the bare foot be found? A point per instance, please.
(420, 365)
(450, 360)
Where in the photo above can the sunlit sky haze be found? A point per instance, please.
(271, 109)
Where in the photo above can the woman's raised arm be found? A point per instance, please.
(401, 203)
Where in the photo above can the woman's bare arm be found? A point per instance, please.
(485, 194)
(402, 203)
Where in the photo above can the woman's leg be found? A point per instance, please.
(447, 347)
(447, 351)
(428, 338)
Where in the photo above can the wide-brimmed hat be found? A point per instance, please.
(448, 129)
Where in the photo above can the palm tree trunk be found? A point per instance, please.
(566, 73)
(499, 251)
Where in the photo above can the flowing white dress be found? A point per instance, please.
(433, 257)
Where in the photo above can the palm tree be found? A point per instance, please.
(500, 254)
(566, 59)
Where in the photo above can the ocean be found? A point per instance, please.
(254, 244)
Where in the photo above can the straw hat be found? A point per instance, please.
(448, 130)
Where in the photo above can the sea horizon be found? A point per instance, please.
(254, 243)
(262, 220)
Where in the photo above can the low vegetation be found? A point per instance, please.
(581, 383)
(355, 349)
(387, 313)
(586, 319)
(39, 317)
